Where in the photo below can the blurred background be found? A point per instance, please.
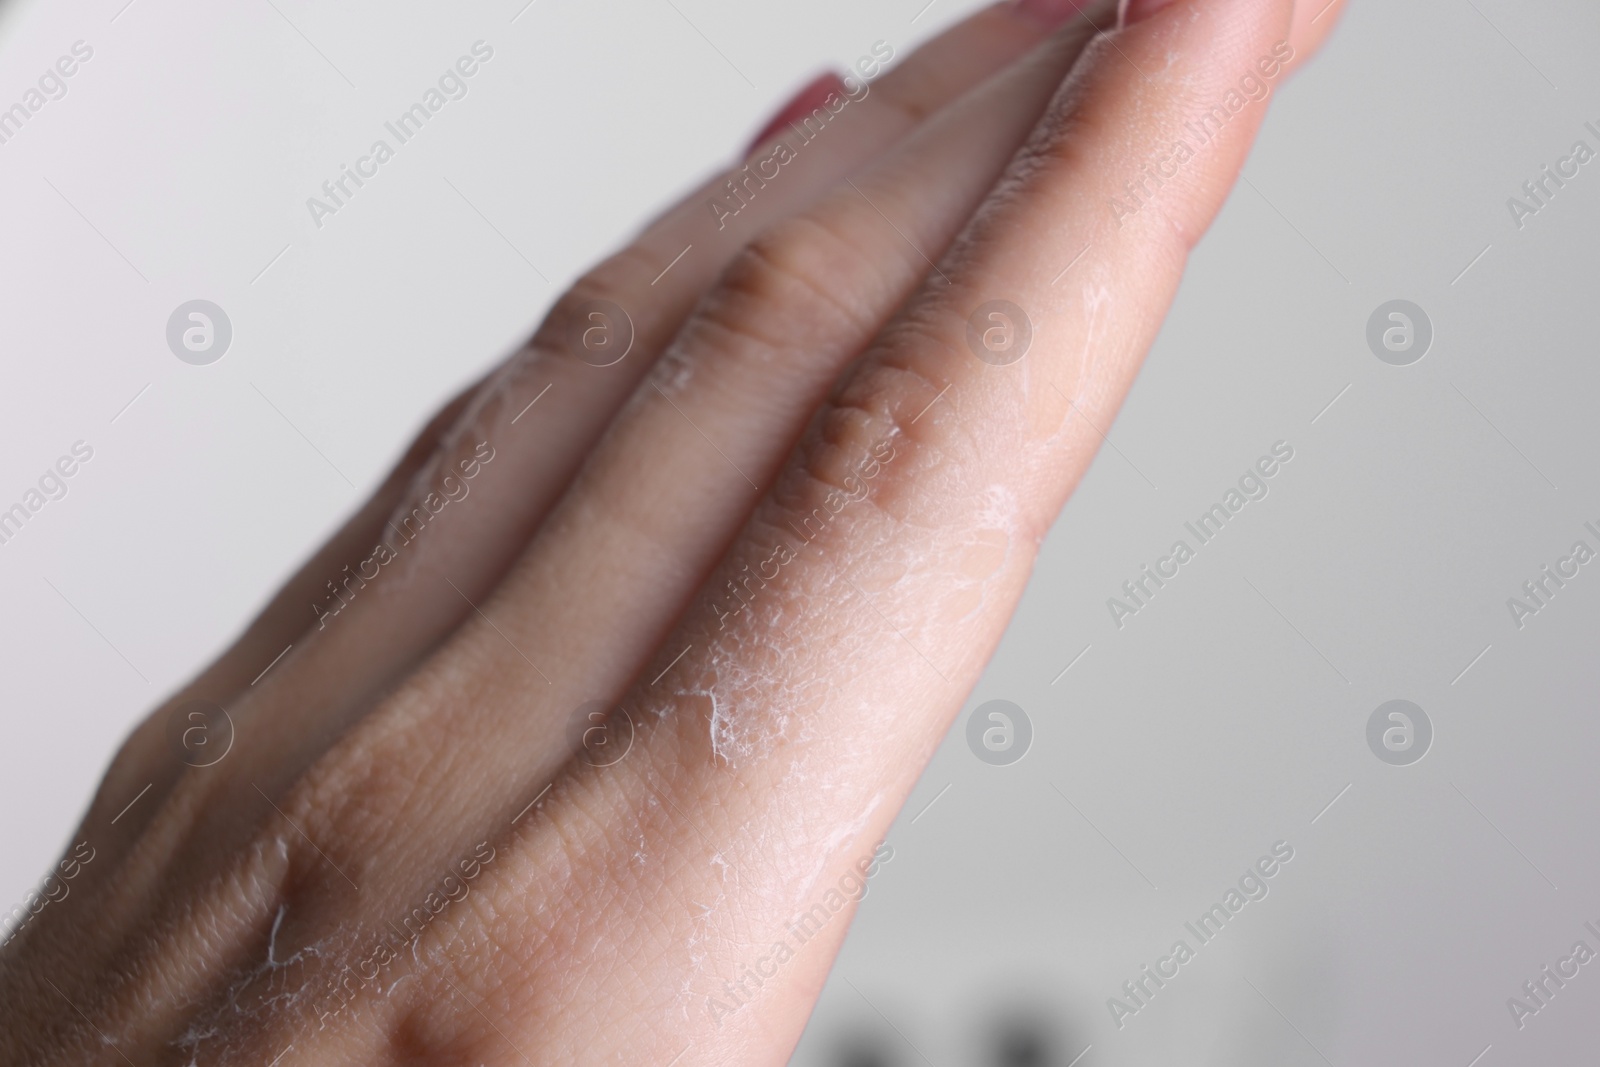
(1440, 460)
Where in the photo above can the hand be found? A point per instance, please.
(593, 721)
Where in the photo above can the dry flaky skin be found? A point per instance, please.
(417, 851)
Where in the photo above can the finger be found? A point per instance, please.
(800, 729)
(951, 63)
(144, 755)
(714, 223)
(954, 61)
(1313, 22)
(546, 408)
(663, 495)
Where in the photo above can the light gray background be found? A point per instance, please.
(1175, 751)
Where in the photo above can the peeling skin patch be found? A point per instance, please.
(1097, 302)
(981, 556)
(1095, 325)
(985, 554)
(831, 846)
(719, 727)
(745, 684)
(750, 691)
(273, 967)
(674, 370)
(705, 918)
(980, 553)
(758, 692)
(754, 708)
(239, 1009)
(765, 696)
(268, 996)
(879, 576)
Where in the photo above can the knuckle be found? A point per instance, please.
(332, 815)
(913, 91)
(612, 281)
(867, 446)
(783, 289)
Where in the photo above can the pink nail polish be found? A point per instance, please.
(803, 103)
(1139, 10)
(1049, 13)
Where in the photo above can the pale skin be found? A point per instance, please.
(801, 415)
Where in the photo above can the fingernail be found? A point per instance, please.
(1049, 13)
(803, 103)
(1139, 10)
